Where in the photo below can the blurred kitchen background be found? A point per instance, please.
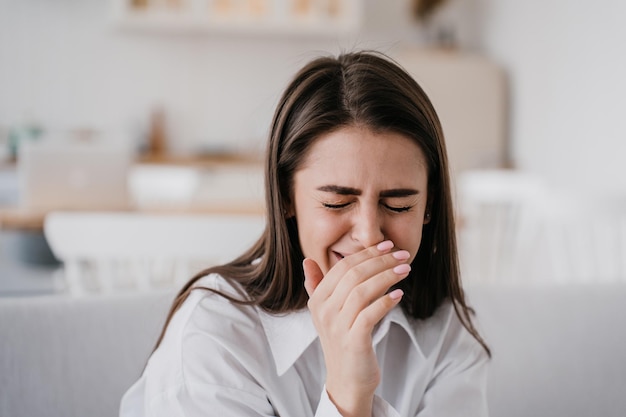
(530, 95)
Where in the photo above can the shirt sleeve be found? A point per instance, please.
(381, 408)
(326, 408)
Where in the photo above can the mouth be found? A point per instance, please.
(338, 256)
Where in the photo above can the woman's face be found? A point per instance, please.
(357, 188)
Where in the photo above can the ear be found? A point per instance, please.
(429, 209)
(289, 210)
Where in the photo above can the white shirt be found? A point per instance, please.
(222, 359)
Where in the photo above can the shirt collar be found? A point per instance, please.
(289, 335)
(398, 317)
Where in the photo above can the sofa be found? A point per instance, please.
(557, 350)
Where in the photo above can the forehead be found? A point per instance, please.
(354, 150)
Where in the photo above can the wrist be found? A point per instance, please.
(351, 404)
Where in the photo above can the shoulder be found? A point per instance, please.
(213, 301)
(208, 325)
(443, 335)
(210, 311)
(213, 348)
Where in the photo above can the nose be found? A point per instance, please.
(367, 226)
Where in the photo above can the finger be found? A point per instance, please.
(387, 269)
(337, 273)
(374, 313)
(369, 291)
(312, 275)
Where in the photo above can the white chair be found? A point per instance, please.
(116, 251)
(515, 228)
(498, 216)
(584, 234)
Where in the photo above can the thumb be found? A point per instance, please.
(312, 275)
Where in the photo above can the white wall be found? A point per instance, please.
(63, 64)
(567, 68)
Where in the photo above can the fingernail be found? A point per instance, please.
(402, 269)
(384, 245)
(401, 255)
(396, 294)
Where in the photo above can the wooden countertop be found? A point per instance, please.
(200, 161)
(14, 218)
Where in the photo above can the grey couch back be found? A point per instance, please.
(557, 351)
(74, 357)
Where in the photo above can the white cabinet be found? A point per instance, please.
(219, 188)
(469, 93)
(273, 17)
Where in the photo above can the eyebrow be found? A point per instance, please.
(395, 192)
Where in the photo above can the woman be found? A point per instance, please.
(350, 304)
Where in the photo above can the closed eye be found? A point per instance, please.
(388, 207)
(398, 209)
(335, 206)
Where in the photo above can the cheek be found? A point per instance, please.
(407, 236)
(317, 231)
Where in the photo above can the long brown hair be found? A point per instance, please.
(365, 89)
